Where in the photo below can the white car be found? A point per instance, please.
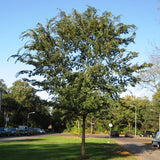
(40, 131)
(156, 140)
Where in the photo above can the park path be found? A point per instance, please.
(141, 147)
(7, 139)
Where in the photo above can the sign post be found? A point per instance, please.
(7, 120)
(110, 125)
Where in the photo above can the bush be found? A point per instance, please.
(76, 131)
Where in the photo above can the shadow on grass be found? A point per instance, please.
(49, 151)
(31, 140)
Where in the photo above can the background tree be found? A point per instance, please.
(9, 108)
(83, 60)
(27, 101)
(154, 116)
(3, 88)
(125, 113)
(58, 120)
(143, 114)
(151, 76)
(18, 101)
(23, 94)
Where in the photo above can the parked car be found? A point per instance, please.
(39, 131)
(24, 132)
(31, 131)
(4, 131)
(156, 140)
(114, 134)
(147, 134)
(14, 131)
(129, 134)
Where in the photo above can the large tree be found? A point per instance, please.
(83, 60)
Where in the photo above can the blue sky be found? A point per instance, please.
(17, 16)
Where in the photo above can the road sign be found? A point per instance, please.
(7, 119)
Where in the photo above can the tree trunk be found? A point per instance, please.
(130, 126)
(83, 139)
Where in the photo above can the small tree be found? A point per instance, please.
(83, 60)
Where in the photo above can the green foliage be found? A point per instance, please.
(18, 101)
(76, 131)
(125, 113)
(58, 120)
(155, 110)
(125, 130)
(99, 128)
(3, 86)
(81, 44)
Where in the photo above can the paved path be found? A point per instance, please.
(142, 148)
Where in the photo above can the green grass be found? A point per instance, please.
(62, 148)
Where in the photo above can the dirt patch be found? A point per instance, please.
(124, 153)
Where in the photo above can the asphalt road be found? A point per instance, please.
(141, 147)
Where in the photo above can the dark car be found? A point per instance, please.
(147, 134)
(4, 131)
(31, 131)
(14, 131)
(24, 132)
(114, 134)
(129, 134)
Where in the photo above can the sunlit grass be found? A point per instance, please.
(61, 148)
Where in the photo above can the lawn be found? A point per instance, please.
(62, 148)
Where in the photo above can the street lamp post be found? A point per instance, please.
(28, 116)
(159, 116)
(91, 125)
(135, 121)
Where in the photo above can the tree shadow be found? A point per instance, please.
(31, 140)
